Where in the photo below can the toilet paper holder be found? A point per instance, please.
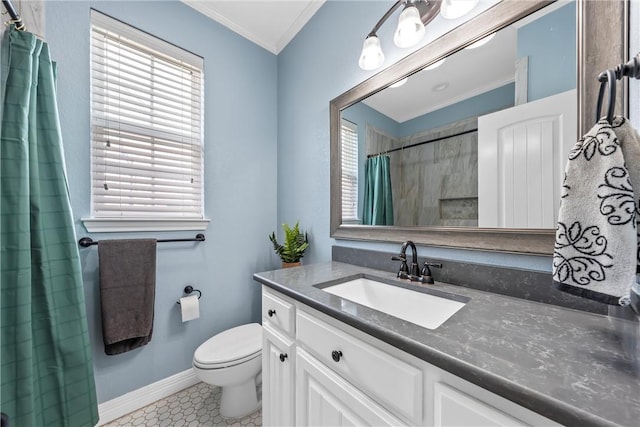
(189, 289)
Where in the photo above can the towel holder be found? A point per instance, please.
(189, 289)
(631, 69)
(85, 242)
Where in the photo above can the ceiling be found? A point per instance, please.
(465, 74)
(247, 18)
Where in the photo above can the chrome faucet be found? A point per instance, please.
(414, 275)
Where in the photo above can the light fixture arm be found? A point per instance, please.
(428, 10)
(408, 33)
(386, 16)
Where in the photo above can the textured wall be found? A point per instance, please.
(436, 184)
(240, 138)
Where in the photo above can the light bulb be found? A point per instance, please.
(371, 56)
(453, 9)
(410, 28)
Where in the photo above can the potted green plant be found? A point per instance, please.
(293, 247)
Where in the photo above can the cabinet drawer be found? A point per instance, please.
(395, 383)
(278, 312)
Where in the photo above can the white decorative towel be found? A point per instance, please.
(596, 249)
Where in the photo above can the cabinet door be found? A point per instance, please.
(326, 399)
(454, 408)
(277, 378)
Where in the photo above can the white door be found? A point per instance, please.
(323, 398)
(277, 379)
(522, 152)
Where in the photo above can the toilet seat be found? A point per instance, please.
(226, 364)
(231, 347)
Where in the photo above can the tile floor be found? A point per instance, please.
(196, 406)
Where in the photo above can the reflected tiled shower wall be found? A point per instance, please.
(435, 183)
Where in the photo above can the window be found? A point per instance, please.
(146, 131)
(349, 135)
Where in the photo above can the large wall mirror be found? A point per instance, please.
(469, 150)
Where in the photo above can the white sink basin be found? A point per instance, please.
(426, 310)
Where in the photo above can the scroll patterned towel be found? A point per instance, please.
(596, 248)
(127, 293)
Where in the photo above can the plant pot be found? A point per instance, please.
(291, 264)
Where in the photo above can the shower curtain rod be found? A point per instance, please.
(423, 142)
(15, 17)
(85, 242)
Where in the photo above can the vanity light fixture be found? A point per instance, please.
(411, 25)
(415, 15)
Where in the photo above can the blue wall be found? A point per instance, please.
(362, 115)
(318, 65)
(551, 71)
(240, 128)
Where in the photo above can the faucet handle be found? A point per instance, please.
(426, 272)
(404, 268)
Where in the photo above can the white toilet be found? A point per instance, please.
(232, 360)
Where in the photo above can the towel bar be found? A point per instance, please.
(85, 242)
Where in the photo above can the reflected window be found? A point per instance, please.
(349, 135)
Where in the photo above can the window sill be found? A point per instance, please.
(114, 225)
(352, 221)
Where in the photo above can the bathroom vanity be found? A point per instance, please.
(497, 360)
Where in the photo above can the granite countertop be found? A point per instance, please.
(565, 364)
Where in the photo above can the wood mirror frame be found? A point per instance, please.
(602, 33)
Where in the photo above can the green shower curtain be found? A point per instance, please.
(378, 203)
(47, 373)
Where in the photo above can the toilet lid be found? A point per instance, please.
(233, 345)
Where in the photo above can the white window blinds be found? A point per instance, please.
(146, 125)
(349, 132)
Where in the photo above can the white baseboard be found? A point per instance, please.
(136, 399)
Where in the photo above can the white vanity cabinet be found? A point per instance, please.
(344, 377)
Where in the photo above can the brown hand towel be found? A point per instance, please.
(127, 293)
